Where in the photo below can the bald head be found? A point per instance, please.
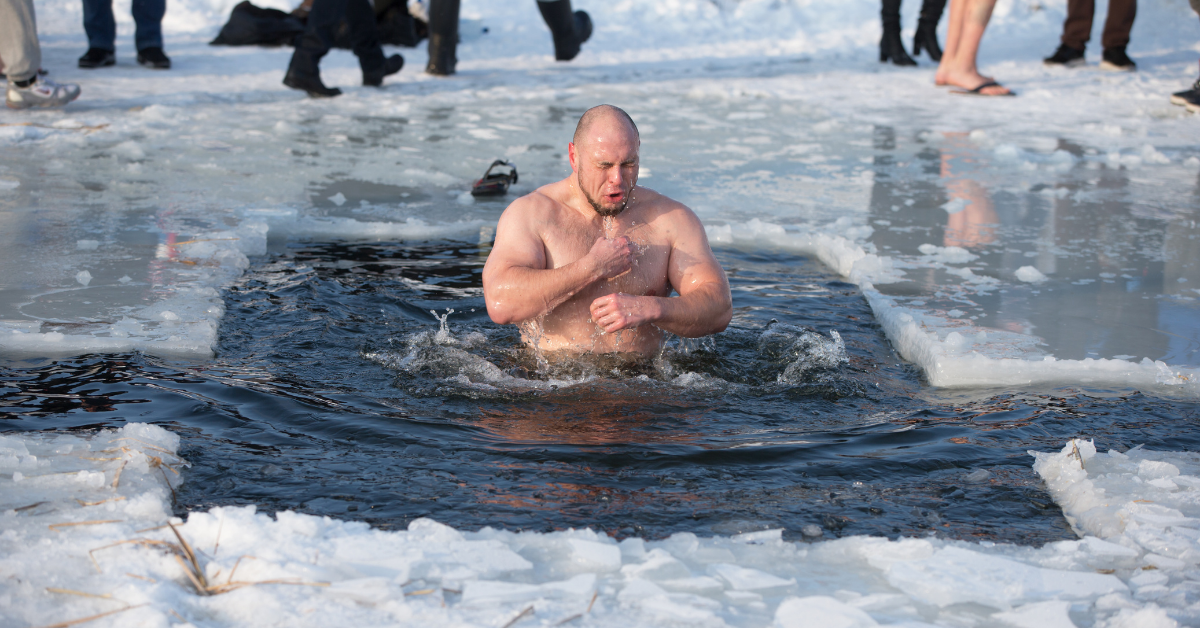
(603, 113)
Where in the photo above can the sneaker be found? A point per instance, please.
(391, 65)
(1115, 60)
(1188, 98)
(1065, 56)
(40, 93)
(97, 58)
(154, 58)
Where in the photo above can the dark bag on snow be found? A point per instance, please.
(249, 25)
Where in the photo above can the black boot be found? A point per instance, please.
(890, 46)
(443, 37)
(374, 76)
(569, 28)
(926, 35)
(303, 72)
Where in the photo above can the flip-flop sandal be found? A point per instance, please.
(978, 91)
(495, 184)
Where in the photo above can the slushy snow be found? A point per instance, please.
(88, 530)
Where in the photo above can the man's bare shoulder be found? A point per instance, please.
(665, 211)
(538, 205)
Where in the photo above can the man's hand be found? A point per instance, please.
(618, 311)
(612, 258)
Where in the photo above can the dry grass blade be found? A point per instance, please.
(225, 588)
(104, 596)
(82, 127)
(164, 474)
(148, 445)
(103, 501)
(99, 459)
(567, 620)
(117, 477)
(82, 620)
(146, 578)
(92, 553)
(200, 588)
(191, 556)
(419, 592)
(528, 611)
(29, 507)
(56, 526)
(595, 594)
(235, 566)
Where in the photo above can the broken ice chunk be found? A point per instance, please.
(1029, 274)
(87, 245)
(83, 277)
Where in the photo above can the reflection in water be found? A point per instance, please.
(972, 219)
(1121, 270)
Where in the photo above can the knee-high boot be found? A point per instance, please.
(443, 37)
(890, 46)
(926, 35)
(569, 28)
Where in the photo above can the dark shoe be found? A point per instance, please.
(154, 58)
(391, 65)
(568, 28)
(890, 47)
(97, 58)
(311, 84)
(1188, 98)
(1065, 56)
(926, 37)
(1115, 60)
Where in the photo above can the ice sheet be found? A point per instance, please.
(84, 533)
(1000, 243)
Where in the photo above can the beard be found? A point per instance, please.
(611, 210)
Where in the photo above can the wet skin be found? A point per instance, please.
(596, 257)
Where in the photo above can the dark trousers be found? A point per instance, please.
(1077, 30)
(101, 27)
(323, 19)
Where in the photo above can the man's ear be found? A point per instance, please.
(572, 156)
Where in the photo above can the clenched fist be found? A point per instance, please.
(612, 257)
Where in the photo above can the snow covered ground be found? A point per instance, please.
(87, 532)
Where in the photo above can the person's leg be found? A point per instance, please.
(364, 38)
(926, 35)
(1077, 28)
(569, 28)
(443, 37)
(18, 39)
(147, 16)
(99, 24)
(890, 46)
(967, 23)
(20, 49)
(1119, 22)
(304, 69)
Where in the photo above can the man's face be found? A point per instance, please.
(606, 166)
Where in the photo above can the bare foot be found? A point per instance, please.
(969, 81)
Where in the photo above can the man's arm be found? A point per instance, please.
(704, 305)
(518, 287)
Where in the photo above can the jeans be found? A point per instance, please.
(101, 26)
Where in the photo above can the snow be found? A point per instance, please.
(752, 114)
(85, 531)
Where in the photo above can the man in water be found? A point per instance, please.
(594, 258)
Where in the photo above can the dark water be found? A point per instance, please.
(337, 392)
